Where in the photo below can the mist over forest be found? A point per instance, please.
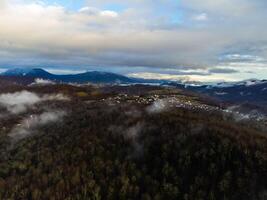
(133, 100)
(60, 141)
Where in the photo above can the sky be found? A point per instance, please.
(197, 40)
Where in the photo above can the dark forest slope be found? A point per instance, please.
(114, 147)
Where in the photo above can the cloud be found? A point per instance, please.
(220, 77)
(201, 17)
(167, 73)
(226, 7)
(29, 125)
(242, 58)
(54, 97)
(96, 12)
(154, 34)
(2, 4)
(131, 134)
(223, 71)
(158, 106)
(19, 102)
(39, 81)
(239, 114)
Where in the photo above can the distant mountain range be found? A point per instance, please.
(249, 91)
(92, 77)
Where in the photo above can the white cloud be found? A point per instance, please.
(97, 12)
(40, 81)
(225, 7)
(240, 57)
(201, 17)
(19, 102)
(194, 77)
(139, 35)
(108, 13)
(89, 10)
(28, 125)
(157, 106)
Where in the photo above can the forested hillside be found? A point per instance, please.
(126, 143)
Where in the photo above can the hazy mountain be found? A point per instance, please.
(248, 91)
(34, 73)
(253, 92)
(93, 77)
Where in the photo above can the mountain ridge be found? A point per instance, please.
(92, 76)
(247, 91)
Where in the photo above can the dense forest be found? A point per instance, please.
(107, 147)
